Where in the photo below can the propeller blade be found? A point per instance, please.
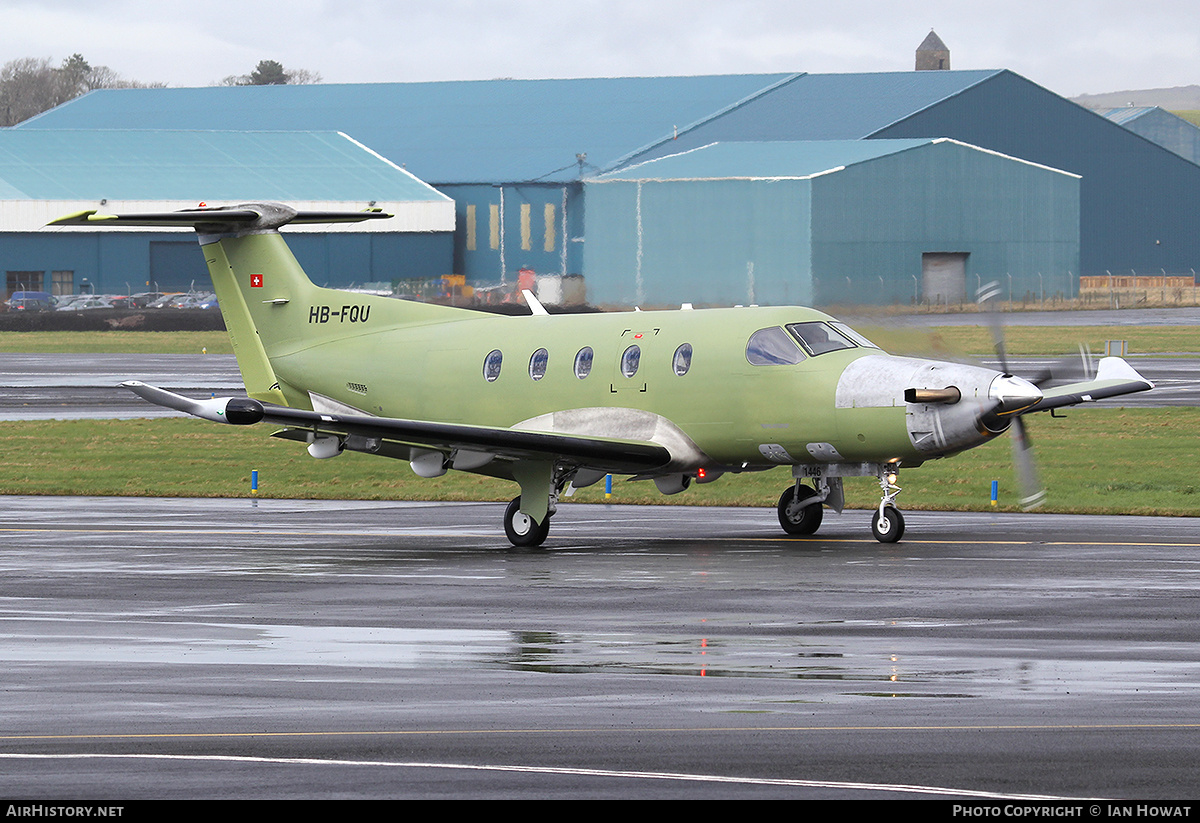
(1041, 377)
(985, 297)
(1089, 364)
(1032, 492)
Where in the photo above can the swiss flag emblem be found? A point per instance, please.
(256, 281)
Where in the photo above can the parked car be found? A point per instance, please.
(193, 301)
(30, 301)
(86, 302)
(144, 299)
(164, 301)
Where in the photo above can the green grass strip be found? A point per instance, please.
(1096, 460)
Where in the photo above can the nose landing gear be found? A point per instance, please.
(887, 524)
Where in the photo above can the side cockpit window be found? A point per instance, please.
(772, 347)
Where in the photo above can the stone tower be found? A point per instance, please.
(932, 54)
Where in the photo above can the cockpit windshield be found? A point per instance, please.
(853, 335)
(820, 337)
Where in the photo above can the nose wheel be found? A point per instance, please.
(887, 524)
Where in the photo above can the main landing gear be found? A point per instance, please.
(795, 514)
(800, 507)
(521, 529)
(543, 482)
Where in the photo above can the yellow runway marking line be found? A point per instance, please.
(246, 530)
(642, 730)
(459, 533)
(918, 542)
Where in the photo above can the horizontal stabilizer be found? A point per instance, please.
(222, 218)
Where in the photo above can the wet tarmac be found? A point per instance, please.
(175, 648)
(86, 386)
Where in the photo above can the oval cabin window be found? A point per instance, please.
(630, 360)
(491, 365)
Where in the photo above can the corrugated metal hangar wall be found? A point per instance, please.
(828, 222)
(45, 174)
(518, 157)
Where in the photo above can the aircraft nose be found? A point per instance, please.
(1013, 394)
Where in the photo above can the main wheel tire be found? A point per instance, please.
(890, 527)
(795, 518)
(521, 529)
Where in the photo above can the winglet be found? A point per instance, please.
(78, 218)
(1114, 368)
(1114, 377)
(240, 411)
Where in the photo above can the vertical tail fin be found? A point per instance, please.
(267, 300)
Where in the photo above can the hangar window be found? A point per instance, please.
(630, 360)
(682, 361)
(491, 365)
(62, 282)
(537, 364)
(583, 362)
(772, 347)
(821, 338)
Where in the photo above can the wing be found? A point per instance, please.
(1114, 377)
(599, 453)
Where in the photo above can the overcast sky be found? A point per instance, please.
(1070, 47)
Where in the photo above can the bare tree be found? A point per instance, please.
(27, 87)
(303, 77)
(31, 85)
(272, 73)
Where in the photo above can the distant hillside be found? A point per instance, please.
(1180, 98)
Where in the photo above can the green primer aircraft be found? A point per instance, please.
(555, 402)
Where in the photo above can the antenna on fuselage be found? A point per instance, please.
(535, 305)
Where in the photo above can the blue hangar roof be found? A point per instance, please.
(761, 161)
(446, 132)
(828, 107)
(532, 130)
(67, 164)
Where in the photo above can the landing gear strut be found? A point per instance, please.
(543, 482)
(887, 524)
